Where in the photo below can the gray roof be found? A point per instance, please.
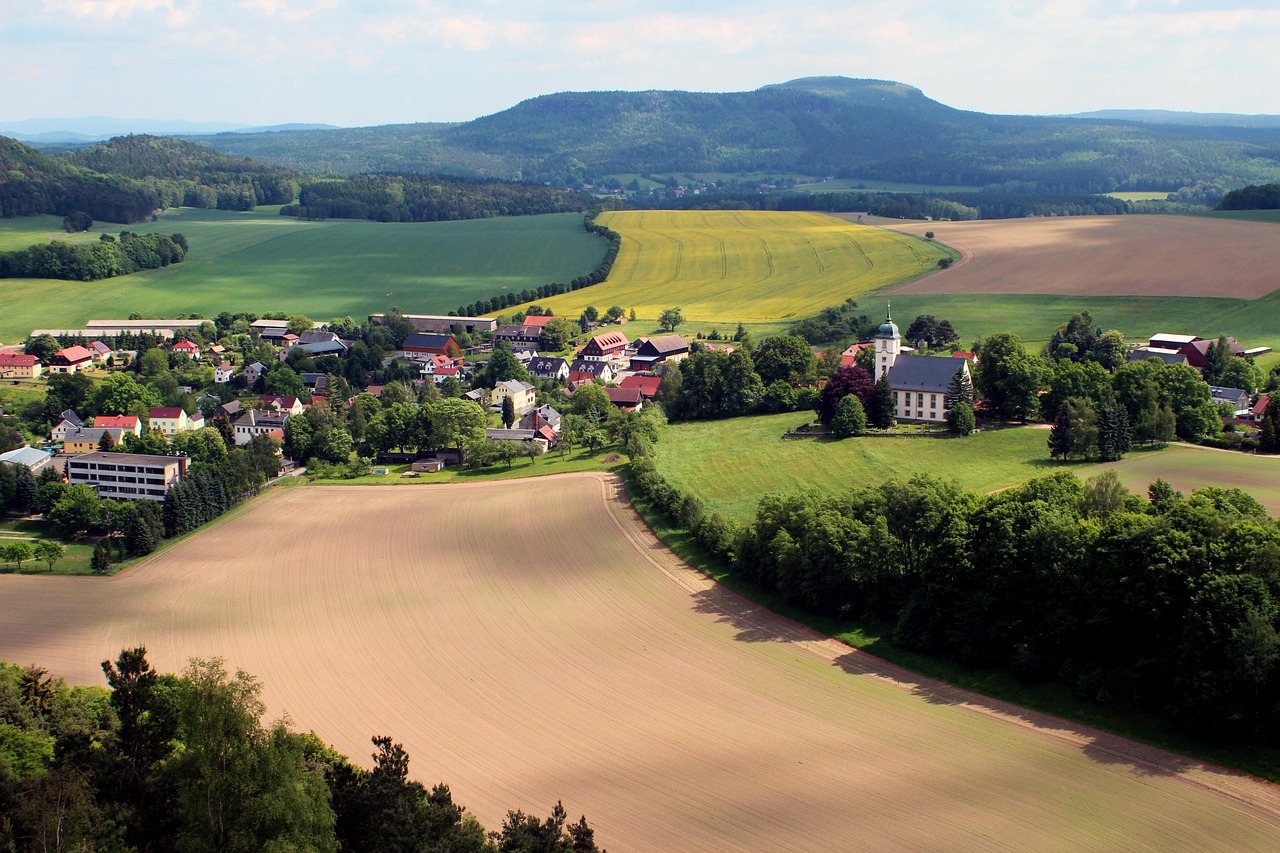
(1165, 355)
(321, 347)
(125, 458)
(1234, 395)
(541, 364)
(509, 435)
(28, 456)
(70, 417)
(95, 434)
(923, 373)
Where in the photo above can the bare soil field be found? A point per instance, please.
(531, 641)
(1103, 256)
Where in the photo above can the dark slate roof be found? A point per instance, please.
(1235, 395)
(663, 346)
(923, 373)
(582, 365)
(72, 418)
(548, 366)
(424, 341)
(316, 336)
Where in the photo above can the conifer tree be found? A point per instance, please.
(960, 390)
(1060, 433)
(1114, 437)
(881, 414)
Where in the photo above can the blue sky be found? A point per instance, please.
(383, 61)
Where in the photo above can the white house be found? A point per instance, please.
(223, 373)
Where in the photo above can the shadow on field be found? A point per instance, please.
(1101, 747)
(755, 624)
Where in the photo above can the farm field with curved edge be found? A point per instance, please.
(528, 656)
(1104, 256)
(261, 262)
(729, 266)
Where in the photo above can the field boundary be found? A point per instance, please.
(749, 616)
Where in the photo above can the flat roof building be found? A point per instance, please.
(126, 476)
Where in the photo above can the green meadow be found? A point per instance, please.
(261, 261)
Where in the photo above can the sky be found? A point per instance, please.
(388, 61)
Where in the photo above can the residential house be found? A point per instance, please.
(16, 365)
(519, 336)
(653, 351)
(127, 476)
(849, 357)
(444, 373)
(419, 346)
(1168, 356)
(223, 373)
(289, 405)
(187, 348)
(68, 421)
(588, 369)
(128, 423)
(1259, 409)
(87, 439)
(255, 422)
(646, 383)
(99, 350)
(70, 360)
(253, 372)
(439, 362)
(524, 356)
(521, 394)
(170, 420)
(549, 368)
(544, 415)
(1237, 398)
(228, 411)
(605, 345)
(627, 399)
(32, 458)
(539, 320)
(919, 382)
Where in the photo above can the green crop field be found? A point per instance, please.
(1188, 468)
(1138, 195)
(731, 463)
(261, 262)
(728, 266)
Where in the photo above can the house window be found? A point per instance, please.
(933, 401)
(919, 414)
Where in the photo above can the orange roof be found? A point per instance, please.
(75, 353)
(538, 321)
(647, 385)
(17, 359)
(115, 422)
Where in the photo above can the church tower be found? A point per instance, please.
(888, 344)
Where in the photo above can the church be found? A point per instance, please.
(919, 382)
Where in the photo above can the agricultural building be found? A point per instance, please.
(654, 351)
(539, 320)
(627, 399)
(442, 324)
(32, 458)
(128, 423)
(1168, 356)
(603, 346)
(418, 345)
(16, 365)
(919, 382)
(1163, 340)
(1197, 351)
(70, 360)
(128, 476)
(522, 435)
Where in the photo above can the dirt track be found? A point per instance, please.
(1103, 256)
(530, 641)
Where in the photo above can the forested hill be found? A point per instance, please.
(836, 126)
(186, 173)
(32, 183)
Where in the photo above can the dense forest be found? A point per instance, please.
(159, 762)
(32, 183)
(420, 198)
(815, 126)
(952, 206)
(106, 258)
(1252, 198)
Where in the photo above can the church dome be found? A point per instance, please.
(888, 329)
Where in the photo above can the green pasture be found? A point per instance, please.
(572, 462)
(1248, 215)
(76, 561)
(1190, 468)
(261, 261)
(1138, 195)
(731, 463)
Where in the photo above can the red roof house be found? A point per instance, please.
(538, 320)
(646, 383)
(70, 360)
(186, 348)
(1259, 409)
(604, 345)
(129, 423)
(627, 399)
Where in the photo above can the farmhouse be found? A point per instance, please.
(604, 346)
(654, 351)
(14, 365)
(128, 476)
(70, 360)
(919, 382)
(646, 383)
(519, 336)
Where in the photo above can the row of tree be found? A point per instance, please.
(187, 762)
(1172, 604)
(106, 258)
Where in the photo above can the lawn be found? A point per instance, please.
(550, 463)
(262, 262)
(724, 267)
(74, 562)
(731, 463)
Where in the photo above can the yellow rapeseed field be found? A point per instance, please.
(749, 266)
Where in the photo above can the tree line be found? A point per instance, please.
(1253, 197)
(106, 258)
(1170, 603)
(33, 183)
(158, 762)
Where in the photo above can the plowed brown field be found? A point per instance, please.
(530, 641)
(1104, 256)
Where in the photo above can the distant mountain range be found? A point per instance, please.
(84, 129)
(815, 126)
